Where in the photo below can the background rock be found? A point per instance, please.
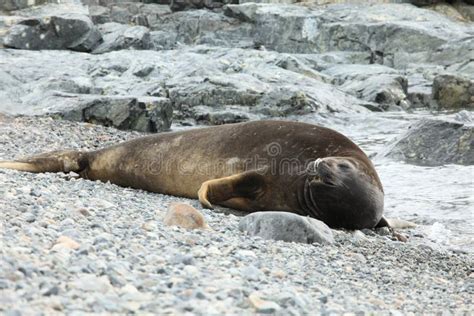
(210, 79)
(434, 143)
(72, 31)
(285, 226)
(453, 92)
(118, 36)
(385, 87)
(180, 5)
(232, 76)
(10, 5)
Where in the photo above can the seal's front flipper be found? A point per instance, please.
(387, 223)
(248, 185)
(57, 161)
(400, 223)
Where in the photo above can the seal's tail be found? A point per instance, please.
(56, 161)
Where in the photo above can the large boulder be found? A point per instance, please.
(11, 5)
(435, 142)
(135, 13)
(180, 5)
(145, 114)
(453, 92)
(390, 30)
(383, 86)
(118, 36)
(202, 84)
(202, 27)
(68, 31)
(227, 77)
(420, 81)
(286, 226)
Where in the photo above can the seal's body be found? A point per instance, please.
(253, 166)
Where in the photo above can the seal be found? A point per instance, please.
(254, 166)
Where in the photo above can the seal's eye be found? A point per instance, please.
(343, 166)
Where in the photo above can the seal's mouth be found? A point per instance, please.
(322, 173)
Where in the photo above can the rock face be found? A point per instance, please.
(388, 29)
(383, 86)
(180, 5)
(146, 114)
(202, 84)
(285, 226)
(10, 5)
(118, 36)
(435, 142)
(242, 62)
(74, 32)
(453, 92)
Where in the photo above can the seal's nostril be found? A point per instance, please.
(318, 161)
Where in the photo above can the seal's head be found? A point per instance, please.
(344, 192)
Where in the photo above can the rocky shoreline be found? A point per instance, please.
(127, 261)
(244, 61)
(83, 74)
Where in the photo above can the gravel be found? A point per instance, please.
(75, 246)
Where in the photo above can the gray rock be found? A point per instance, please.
(147, 114)
(67, 31)
(185, 259)
(99, 14)
(163, 40)
(251, 273)
(384, 29)
(452, 56)
(215, 116)
(285, 226)
(128, 12)
(201, 27)
(29, 217)
(383, 86)
(91, 283)
(466, 9)
(419, 91)
(435, 142)
(120, 15)
(50, 290)
(180, 5)
(10, 5)
(118, 36)
(237, 84)
(453, 92)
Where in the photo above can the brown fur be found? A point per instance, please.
(213, 161)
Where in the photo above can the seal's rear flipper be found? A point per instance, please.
(57, 161)
(20, 166)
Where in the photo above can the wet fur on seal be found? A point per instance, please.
(253, 166)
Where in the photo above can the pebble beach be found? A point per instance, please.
(73, 246)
